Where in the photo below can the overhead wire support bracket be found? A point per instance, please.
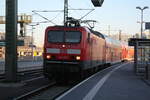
(47, 10)
(87, 14)
(88, 23)
(81, 9)
(44, 17)
(40, 22)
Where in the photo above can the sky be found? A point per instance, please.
(115, 14)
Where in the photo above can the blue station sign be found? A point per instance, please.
(19, 43)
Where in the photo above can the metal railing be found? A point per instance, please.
(147, 70)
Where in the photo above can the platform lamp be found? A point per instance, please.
(142, 9)
(32, 37)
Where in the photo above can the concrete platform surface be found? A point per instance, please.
(118, 82)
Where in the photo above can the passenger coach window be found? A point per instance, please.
(55, 36)
(72, 36)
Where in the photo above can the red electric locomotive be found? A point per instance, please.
(113, 51)
(72, 49)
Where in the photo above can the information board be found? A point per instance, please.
(147, 25)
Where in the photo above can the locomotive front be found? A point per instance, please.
(62, 50)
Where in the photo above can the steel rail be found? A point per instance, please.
(34, 92)
(21, 73)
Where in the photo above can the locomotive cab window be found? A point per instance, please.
(72, 36)
(64, 36)
(55, 36)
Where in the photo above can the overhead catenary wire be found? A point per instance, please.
(45, 11)
(87, 14)
(80, 10)
(51, 21)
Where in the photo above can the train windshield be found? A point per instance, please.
(72, 36)
(55, 36)
(64, 36)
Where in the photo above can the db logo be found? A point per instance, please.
(63, 51)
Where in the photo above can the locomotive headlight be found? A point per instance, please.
(48, 56)
(78, 58)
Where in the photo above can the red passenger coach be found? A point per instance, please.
(124, 51)
(113, 50)
(130, 55)
(77, 50)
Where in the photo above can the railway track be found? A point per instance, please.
(21, 74)
(39, 88)
(46, 92)
(34, 84)
(35, 92)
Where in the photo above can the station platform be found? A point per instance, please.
(23, 65)
(118, 82)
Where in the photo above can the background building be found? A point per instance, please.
(123, 36)
(26, 50)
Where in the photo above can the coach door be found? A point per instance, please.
(104, 53)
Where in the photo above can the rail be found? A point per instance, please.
(34, 92)
(22, 73)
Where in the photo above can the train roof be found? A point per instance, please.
(112, 41)
(97, 33)
(107, 38)
(90, 30)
